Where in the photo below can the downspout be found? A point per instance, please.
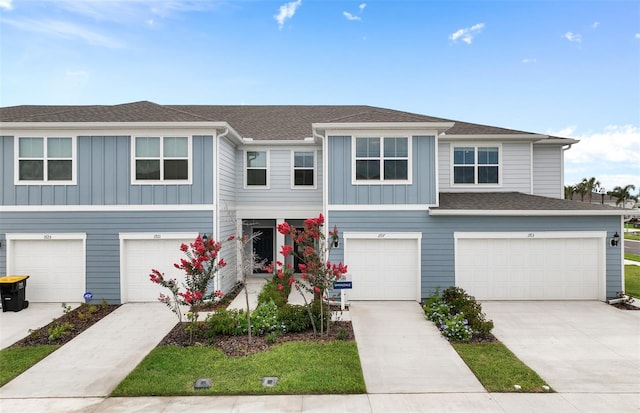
(216, 201)
(325, 189)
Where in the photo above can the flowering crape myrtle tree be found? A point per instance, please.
(318, 273)
(200, 266)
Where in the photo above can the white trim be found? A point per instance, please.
(45, 159)
(381, 235)
(381, 158)
(475, 165)
(621, 246)
(47, 236)
(161, 158)
(390, 235)
(275, 212)
(533, 212)
(385, 207)
(531, 168)
(89, 128)
(500, 137)
(106, 208)
(315, 170)
(267, 168)
(436, 127)
(123, 236)
(436, 160)
(530, 235)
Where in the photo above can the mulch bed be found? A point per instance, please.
(80, 318)
(625, 306)
(239, 346)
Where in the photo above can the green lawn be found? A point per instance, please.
(498, 369)
(632, 280)
(631, 237)
(16, 360)
(301, 368)
(632, 257)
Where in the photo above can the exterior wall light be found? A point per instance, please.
(205, 238)
(615, 240)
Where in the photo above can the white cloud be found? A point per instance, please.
(529, 60)
(350, 16)
(573, 37)
(611, 155)
(637, 36)
(362, 6)
(595, 25)
(64, 30)
(467, 34)
(286, 12)
(6, 4)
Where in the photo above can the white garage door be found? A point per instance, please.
(383, 269)
(56, 269)
(139, 257)
(530, 269)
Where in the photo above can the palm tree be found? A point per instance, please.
(581, 189)
(569, 190)
(623, 195)
(591, 185)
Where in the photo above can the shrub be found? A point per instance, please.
(224, 322)
(264, 319)
(295, 318)
(456, 328)
(461, 302)
(271, 292)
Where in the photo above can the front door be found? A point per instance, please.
(263, 245)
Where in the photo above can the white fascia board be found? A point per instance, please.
(532, 212)
(293, 143)
(523, 137)
(436, 126)
(157, 235)
(33, 236)
(530, 235)
(275, 212)
(389, 207)
(106, 208)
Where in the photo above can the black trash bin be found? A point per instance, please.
(12, 292)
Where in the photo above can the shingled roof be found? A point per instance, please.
(516, 203)
(261, 122)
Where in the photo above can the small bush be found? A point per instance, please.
(461, 302)
(271, 292)
(295, 318)
(224, 322)
(264, 319)
(456, 328)
(58, 330)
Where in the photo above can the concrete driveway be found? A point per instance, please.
(575, 346)
(16, 326)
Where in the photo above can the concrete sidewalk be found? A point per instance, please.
(402, 352)
(92, 364)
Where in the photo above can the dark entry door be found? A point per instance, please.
(263, 245)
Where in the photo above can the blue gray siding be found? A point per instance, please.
(280, 192)
(422, 190)
(547, 171)
(438, 257)
(104, 177)
(102, 244)
(226, 202)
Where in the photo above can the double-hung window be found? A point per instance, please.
(382, 159)
(476, 165)
(46, 160)
(256, 170)
(304, 169)
(162, 159)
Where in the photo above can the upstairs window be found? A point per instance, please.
(303, 169)
(256, 172)
(382, 159)
(46, 160)
(162, 159)
(476, 165)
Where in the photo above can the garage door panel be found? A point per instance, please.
(383, 269)
(140, 257)
(55, 269)
(554, 268)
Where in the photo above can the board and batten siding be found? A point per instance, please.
(547, 171)
(280, 170)
(102, 243)
(422, 189)
(437, 248)
(104, 177)
(515, 169)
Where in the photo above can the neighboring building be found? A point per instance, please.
(93, 197)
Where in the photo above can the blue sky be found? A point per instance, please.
(569, 68)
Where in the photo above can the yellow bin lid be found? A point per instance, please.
(10, 279)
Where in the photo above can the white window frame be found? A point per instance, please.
(245, 167)
(162, 158)
(314, 168)
(45, 159)
(475, 165)
(381, 158)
